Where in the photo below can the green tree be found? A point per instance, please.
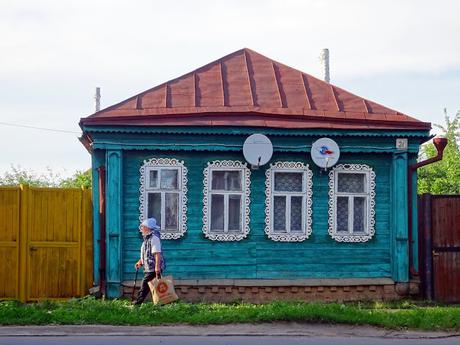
(442, 177)
(78, 180)
(17, 175)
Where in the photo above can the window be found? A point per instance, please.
(226, 201)
(288, 202)
(163, 195)
(351, 203)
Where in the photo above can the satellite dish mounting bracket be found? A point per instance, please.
(256, 166)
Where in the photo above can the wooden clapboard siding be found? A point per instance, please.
(195, 257)
(320, 256)
(45, 243)
(143, 140)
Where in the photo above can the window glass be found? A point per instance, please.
(163, 188)
(296, 213)
(288, 204)
(350, 183)
(171, 211)
(226, 180)
(218, 180)
(352, 194)
(226, 202)
(288, 182)
(233, 179)
(279, 214)
(342, 213)
(153, 179)
(217, 212)
(234, 212)
(169, 179)
(358, 214)
(154, 207)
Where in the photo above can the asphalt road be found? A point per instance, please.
(220, 340)
(285, 333)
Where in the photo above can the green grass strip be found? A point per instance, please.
(89, 311)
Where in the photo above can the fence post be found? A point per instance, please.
(23, 242)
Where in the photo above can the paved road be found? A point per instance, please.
(287, 333)
(220, 340)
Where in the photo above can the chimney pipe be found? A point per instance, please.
(325, 64)
(97, 99)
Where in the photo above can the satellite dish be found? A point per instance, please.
(325, 152)
(257, 150)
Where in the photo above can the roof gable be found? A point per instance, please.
(246, 88)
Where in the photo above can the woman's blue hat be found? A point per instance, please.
(151, 223)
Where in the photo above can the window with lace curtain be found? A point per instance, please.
(288, 201)
(226, 201)
(351, 202)
(163, 195)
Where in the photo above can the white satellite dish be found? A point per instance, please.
(325, 152)
(257, 150)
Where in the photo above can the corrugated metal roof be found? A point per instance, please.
(246, 88)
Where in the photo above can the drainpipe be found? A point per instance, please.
(102, 231)
(427, 279)
(440, 144)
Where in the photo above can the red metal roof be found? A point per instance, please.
(246, 88)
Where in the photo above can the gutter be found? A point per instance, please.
(440, 144)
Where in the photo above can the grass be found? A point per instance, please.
(87, 310)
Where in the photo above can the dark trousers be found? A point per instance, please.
(144, 291)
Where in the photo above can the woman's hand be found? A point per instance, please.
(138, 264)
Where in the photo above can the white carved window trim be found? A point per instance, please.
(245, 184)
(159, 163)
(306, 194)
(369, 194)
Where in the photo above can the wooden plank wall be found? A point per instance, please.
(46, 242)
(195, 257)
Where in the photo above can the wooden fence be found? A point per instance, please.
(45, 243)
(439, 233)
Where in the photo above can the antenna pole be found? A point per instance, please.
(324, 58)
(97, 99)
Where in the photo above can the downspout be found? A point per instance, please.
(102, 231)
(440, 144)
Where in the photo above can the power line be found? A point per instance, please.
(40, 128)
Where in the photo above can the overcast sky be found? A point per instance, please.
(403, 54)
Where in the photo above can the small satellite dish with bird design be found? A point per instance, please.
(325, 152)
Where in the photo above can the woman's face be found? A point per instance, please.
(145, 230)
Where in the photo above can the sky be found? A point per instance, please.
(403, 54)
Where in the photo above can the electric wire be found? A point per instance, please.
(40, 128)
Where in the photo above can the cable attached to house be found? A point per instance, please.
(40, 128)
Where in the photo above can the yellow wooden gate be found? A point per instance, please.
(45, 243)
(9, 242)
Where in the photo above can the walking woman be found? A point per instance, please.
(151, 257)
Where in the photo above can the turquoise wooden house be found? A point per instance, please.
(287, 229)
